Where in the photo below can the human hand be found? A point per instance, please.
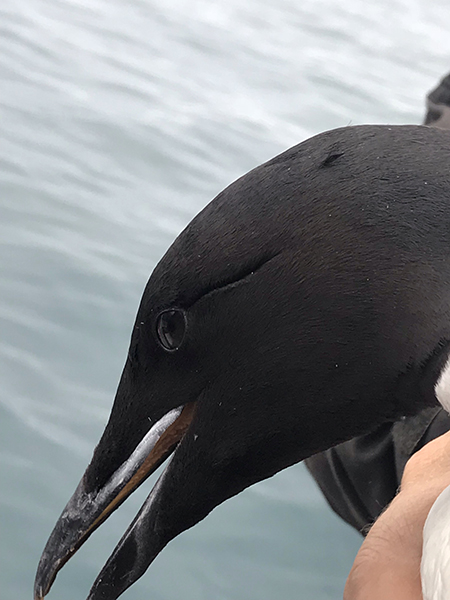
(387, 566)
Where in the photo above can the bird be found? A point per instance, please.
(307, 304)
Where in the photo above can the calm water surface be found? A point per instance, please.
(120, 120)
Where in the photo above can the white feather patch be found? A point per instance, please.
(442, 388)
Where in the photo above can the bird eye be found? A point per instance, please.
(171, 328)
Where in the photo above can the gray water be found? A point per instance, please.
(121, 119)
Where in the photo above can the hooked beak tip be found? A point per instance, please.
(43, 583)
(39, 593)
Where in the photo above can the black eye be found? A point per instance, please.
(170, 329)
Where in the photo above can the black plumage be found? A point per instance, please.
(315, 297)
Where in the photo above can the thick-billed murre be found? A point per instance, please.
(307, 304)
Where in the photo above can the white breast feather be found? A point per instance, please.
(435, 566)
(442, 388)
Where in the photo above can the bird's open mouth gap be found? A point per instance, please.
(163, 447)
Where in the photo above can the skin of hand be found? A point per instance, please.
(387, 566)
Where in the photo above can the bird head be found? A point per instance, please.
(258, 342)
